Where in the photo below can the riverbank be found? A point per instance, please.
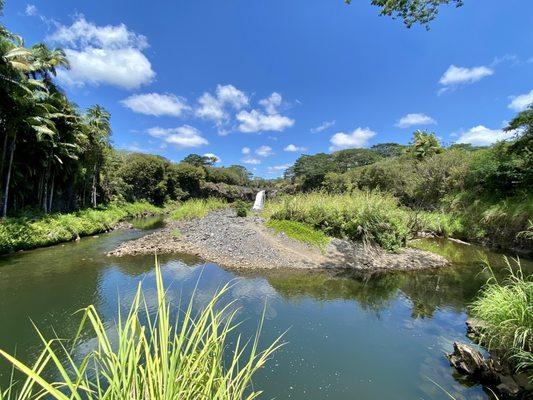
(245, 242)
(32, 231)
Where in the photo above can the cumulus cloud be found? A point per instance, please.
(520, 103)
(271, 103)
(462, 75)
(184, 136)
(251, 160)
(255, 121)
(31, 10)
(264, 151)
(323, 126)
(213, 156)
(278, 168)
(109, 54)
(483, 136)
(293, 148)
(213, 107)
(357, 138)
(269, 120)
(156, 104)
(245, 150)
(415, 119)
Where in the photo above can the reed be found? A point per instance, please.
(506, 307)
(189, 360)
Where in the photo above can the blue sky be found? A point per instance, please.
(260, 82)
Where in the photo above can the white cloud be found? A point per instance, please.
(323, 126)
(255, 121)
(293, 148)
(358, 138)
(31, 10)
(415, 119)
(108, 54)
(277, 168)
(213, 156)
(264, 151)
(482, 136)
(520, 103)
(184, 136)
(251, 160)
(212, 107)
(272, 103)
(245, 150)
(462, 75)
(156, 104)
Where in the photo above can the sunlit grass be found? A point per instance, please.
(156, 359)
(507, 309)
(362, 216)
(37, 230)
(302, 232)
(197, 208)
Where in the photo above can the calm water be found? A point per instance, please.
(380, 339)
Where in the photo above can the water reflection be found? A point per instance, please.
(380, 337)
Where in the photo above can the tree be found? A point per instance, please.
(344, 160)
(412, 11)
(199, 161)
(424, 144)
(309, 171)
(387, 150)
(522, 125)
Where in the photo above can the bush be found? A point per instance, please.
(507, 310)
(362, 216)
(149, 357)
(241, 208)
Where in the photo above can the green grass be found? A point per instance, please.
(148, 357)
(507, 309)
(302, 232)
(360, 216)
(31, 231)
(197, 208)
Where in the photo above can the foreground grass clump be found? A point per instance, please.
(507, 309)
(363, 216)
(301, 232)
(197, 208)
(155, 359)
(31, 231)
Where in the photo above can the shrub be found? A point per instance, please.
(363, 216)
(241, 208)
(148, 357)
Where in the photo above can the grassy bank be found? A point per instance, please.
(32, 231)
(149, 357)
(197, 208)
(506, 307)
(299, 231)
(361, 216)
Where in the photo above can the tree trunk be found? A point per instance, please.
(45, 191)
(51, 193)
(93, 189)
(4, 150)
(8, 178)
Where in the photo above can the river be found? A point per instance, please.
(382, 338)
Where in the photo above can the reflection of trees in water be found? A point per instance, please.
(428, 291)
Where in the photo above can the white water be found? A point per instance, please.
(259, 201)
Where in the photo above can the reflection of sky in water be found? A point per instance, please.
(382, 338)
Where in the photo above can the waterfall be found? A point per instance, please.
(259, 201)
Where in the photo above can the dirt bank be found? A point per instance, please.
(236, 242)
